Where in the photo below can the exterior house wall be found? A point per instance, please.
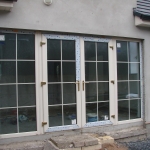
(98, 17)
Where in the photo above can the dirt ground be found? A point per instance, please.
(113, 147)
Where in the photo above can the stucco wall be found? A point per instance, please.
(96, 17)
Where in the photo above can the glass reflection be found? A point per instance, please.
(55, 116)
(90, 71)
(134, 89)
(70, 115)
(8, 47)
(26, 46)
(123, 90)
(27, 119)
(54, 71)
(53, 49)
(122, 71)
(90, 51)
(68, 50)
(102, 69)
(134, 51)
(103, 111)
(26, 71)
(134, 71)
(8, 96)
(69, 71)
(8, 121)
(135, 109)
(7, 72)
(91, 112)
(103, 91)
(102, 51)
(123, 110)
(26, 95)
(69, 93)
(122, 54)
(91, 94)
(54, 94)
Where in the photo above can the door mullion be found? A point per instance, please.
(45, 87)
(112, 81)
(83, 103)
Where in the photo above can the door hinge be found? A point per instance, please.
(112, 81)
(111, 47)
(44, 123)
(42, 43)
(113, 116)
(43, 83)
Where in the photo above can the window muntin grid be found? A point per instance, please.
(61, 61)
(17, 83)
(129, 81)
(96, 81)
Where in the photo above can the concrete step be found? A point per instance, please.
(127, 135)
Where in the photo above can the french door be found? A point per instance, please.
(77, 85)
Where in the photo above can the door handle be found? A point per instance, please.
(78, 82)
(83, 84)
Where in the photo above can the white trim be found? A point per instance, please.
(130, 121)
(6, 6)
(141, 23)
(38, 77)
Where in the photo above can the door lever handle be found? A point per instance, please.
(78, 82)
(83, 84)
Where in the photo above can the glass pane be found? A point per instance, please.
(68, 50)
(7, 72)
(8, 96)
(69, 73)
(55, 116)
(54, 71)
(90, 71)
(27, 119)
(53, 50)
(90, 51)
(122, 54)
(69, 93)
(26, 95)
(91, 112)
(54, 94)
(8, 121)
(70, 115)
(134, 52)
(103, 111)
(102, 51)
(26, 71)
(134, 89)
(8, 47)
(91, 92)
(102, 69)
(103, 91)
(123, 110)
(134, 71)
(122, 71)
(123, 90)
(26, 46)
(135, 109)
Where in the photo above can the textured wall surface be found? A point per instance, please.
(95, 17)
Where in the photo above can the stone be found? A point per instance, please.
(50, 146)
(91, 141)
(106, 139)
(78, 144)
(94, 147)
(72, 149)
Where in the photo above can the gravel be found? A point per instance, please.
(139, 145)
